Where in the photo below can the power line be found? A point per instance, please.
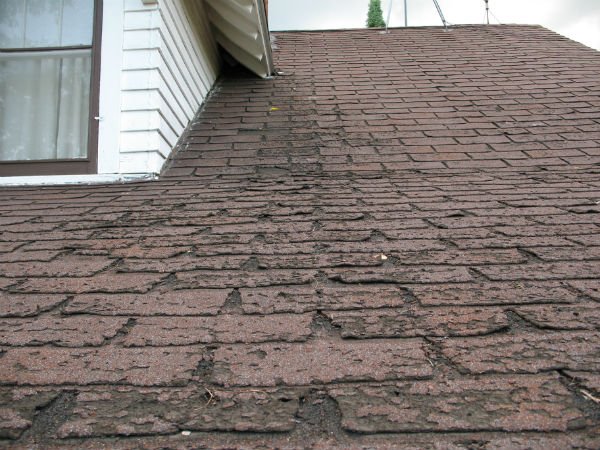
(494, 16)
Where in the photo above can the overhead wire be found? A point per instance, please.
(494, 16)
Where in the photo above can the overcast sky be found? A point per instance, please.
(576, 19)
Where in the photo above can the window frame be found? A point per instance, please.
(88, 165)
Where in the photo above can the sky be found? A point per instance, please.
(575, 19)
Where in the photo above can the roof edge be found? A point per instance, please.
(420, 27)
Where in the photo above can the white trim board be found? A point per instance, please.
(75, 179)
(111, 63)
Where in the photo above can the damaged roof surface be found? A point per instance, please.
(393, 244)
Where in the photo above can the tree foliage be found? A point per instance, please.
(375, 15)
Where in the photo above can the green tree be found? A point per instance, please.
(375, 15)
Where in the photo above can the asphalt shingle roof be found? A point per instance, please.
(393, 244)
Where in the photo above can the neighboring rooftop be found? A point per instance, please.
(392, 244)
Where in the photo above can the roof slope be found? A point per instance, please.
(394, 244)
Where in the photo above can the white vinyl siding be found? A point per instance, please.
(170, 63)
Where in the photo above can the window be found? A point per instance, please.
(48, 86)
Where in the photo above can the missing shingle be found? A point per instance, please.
(518, 323)
(50, 417)
(233, 303)
(122, 332)
(322, 327)
(587, 399)
(204, 369)
(318, 415)
(320, 247)
(170, 280)
(251, 264)
(438, 360)
(377, 236)
(389, 261)
(449, 243)
(316, 226)
(321, 279)
(477, 275)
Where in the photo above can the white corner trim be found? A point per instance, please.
(75, 179)
(109, 127)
